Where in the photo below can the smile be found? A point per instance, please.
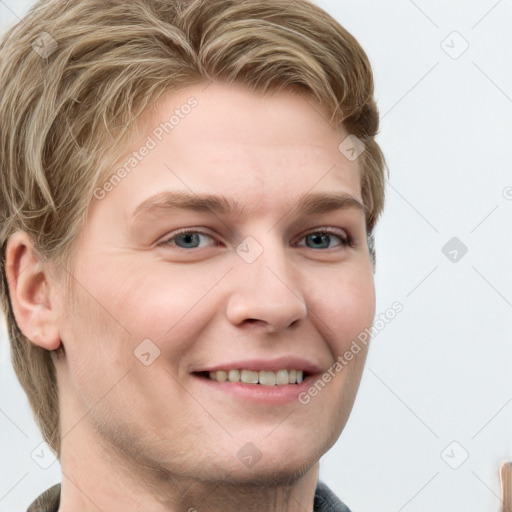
(265, 378)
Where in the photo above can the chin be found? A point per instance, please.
(282, 461)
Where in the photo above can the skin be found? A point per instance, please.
(155, 437)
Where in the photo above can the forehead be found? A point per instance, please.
(230, 141)
(234, 116)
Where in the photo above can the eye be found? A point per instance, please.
(187, 239)
(322, 239)
(327, 239)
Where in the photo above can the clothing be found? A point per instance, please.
(325, 500)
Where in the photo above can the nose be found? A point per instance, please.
(266, 293)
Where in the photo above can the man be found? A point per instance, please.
(189, 192)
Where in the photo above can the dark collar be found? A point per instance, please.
(325, 500)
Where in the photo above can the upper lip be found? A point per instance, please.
(280, 363)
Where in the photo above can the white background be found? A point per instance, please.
(440, 371)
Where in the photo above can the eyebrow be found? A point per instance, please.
(309, 204)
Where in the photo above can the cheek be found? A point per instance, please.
(159, 302)
(346, 307)
(95, 327)
(139, 297)
(156, 301)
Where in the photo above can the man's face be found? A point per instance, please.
(272, 285)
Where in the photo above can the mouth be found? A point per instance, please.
(282, 377)
(257, 381)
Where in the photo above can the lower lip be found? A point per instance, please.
(257, 393)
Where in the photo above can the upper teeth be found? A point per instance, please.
(266, 378)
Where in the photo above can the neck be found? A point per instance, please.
(97, 486)
(97, 477)
(110, 467)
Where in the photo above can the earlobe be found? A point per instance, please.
(29, 285)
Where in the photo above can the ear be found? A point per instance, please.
(30, 289)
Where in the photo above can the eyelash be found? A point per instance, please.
(345, 241)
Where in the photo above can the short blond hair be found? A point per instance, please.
(76, 74)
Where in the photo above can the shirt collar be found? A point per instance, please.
(325, 500)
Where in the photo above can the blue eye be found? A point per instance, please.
(326, 239)
(323, 239)
(186, 239)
